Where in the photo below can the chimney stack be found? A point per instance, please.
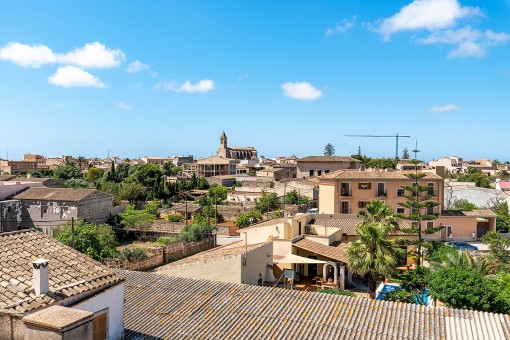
(40, 277)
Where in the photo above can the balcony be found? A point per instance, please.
(381, 193)
(345, 193)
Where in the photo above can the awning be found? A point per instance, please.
(291, 258)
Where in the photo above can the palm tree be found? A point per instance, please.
(374, 255)
(378, 212)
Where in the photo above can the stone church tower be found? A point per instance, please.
(223, 150)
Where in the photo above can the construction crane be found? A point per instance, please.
(397, 136)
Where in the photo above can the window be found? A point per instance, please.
(319, 172)
(430, 190)
(362, 204)
(381, 190)
(414, 224)
(400, 192)
(401, 210)
(100, 325)
(364, 186)
(326, 171)
(312, 173)
(430, 224)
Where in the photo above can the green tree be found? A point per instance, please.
(377, 212)
(218, 192)
(503, 217)
(405, 153)
(248, 218)
(329, 150)
(202, 183)
(65, 172)
(466, 289)
(93, 175)
(76, 183)
(499, 247)
(475, 175)
(147, 174)
(462, 204)
(267, 202)
(112, 188)
(81, 162)
(374, 255)
(293, 197)
(420, 204)
(141, 219)
(95, 240)
(132, 192)
(170, 169)
(196, 231)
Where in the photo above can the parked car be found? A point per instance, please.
(462, 246)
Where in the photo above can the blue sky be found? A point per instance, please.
(167, 77)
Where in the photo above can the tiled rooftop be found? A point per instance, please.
(58, 194)
(70, 272)
(376, 175)
(229, 250)
(271, 222)
(333, 252)
(328, 159)
(163, 307)
(348, 225)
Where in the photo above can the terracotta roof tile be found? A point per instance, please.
(164, 307)
(58, 194)
(18, 250)
(389, 175)
(333, 252)
(348, 225)
(328, 159)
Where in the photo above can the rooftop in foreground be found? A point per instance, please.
(160, 306)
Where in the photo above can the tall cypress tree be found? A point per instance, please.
(419, 199)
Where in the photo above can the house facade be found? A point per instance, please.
(312, 166)
(40, 273)
(47, 208)
(215, 166)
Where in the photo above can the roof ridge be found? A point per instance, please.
(7, 233)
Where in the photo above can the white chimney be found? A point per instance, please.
(40, 276)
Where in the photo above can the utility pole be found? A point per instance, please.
(298, 197)
(186, 205)
(284, 196)
(72, 232)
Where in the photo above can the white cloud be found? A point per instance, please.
(444, 108)
(93, 55)
(27, 55)
(301, 91)
(426, 14)
(468, 42)
(124, 106)
(202, 86)
(72, 76)
(342, 26)
(137, 66)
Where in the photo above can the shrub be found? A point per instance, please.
(276, 214)
(133, 253)
(174, 217)
(248, 218)
(166, 240)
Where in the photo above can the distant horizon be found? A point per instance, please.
(167, 77)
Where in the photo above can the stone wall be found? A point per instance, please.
(10, 215)
(258, 183)
(96, 208)
(157, 256)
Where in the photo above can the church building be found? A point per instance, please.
(238, 153)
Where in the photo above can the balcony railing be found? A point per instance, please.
(381, 193)
(345, 210)
(345, 192)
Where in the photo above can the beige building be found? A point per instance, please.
(215, 166)
(454, 165)
(319, 165)
(347, 192)
(276, 173)
(234, 263)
